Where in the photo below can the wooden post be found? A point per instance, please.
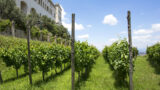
(48, 38)
(55, 39)
(17, 72)
(61, 41)
(69, 42)
(1, 80)
(41, 36)
(13, 28)
(73, 52)
(29, 62)
(65, 43)
(130, 52)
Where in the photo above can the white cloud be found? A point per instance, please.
(156, 27)
(110, 20)
(111, 41)
(68, 25)
(123, 32)
(142, 31)
(86, 36)
(89, 26)
(142, 38)
(63, 14)
(77, 26)
(142, 41)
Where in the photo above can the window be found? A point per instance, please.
(39, 1)
(47, 8)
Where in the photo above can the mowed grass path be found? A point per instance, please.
(100, 78)
(145, 76)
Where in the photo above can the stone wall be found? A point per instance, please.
(18, 33)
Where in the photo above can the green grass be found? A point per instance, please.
(100, 78)
(145, 76)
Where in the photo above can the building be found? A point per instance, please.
(42, 7)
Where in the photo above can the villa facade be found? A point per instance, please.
(42, 7)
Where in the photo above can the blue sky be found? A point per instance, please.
(101, 22)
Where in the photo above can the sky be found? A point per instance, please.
(102, 22)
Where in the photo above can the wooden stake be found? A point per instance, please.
(1, 80)
(130, 52)
(29, 62)
(73, 52)
(55, 39)
(13, 28)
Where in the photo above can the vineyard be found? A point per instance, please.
(45, 56)
(153, 53)
(51, 66)
(117, 55)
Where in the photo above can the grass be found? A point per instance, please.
(145, 76)
(100, 78)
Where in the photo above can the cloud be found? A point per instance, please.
(111, 40)
(142, 31)
(156, 27)
(67, 24)
(86, 36)
(142, 38)
(63, 14)
(77, 26)
(143, 41)
(89, 26)
(110, 20)
(153, 29)
(123, 33)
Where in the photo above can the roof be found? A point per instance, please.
(57, 5)
(51, 2)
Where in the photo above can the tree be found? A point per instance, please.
(4, 24)
(8, 10)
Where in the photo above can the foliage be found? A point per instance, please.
(32, 19)
(117, 55)
(135, 52)
(4, 24)
(13, 56)
(35, 32)
(105, 53)
(85, 56)
(51, 26)
(47, 23)
(153, 53)
(8, 10)
(45, 56)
